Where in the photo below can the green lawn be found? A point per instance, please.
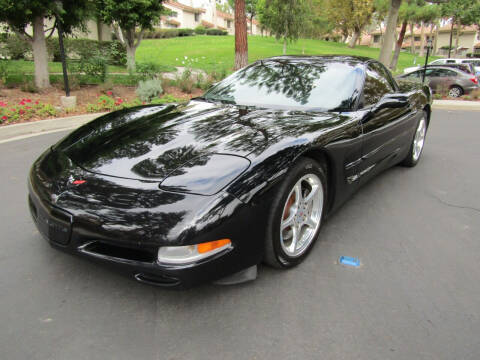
(217, 53)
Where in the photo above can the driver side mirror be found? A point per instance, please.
(392, 101)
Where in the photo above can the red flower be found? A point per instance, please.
(13, 109)
(21, 112)
(104, 101)
(4, 117)
(28, 100)
(109, 93)
(22, 102)
(36, 102)
(27, 107)
(2, 104)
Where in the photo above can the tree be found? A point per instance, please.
(351, 15)
(462, 12)
(250, 10)
(19, 14)
(126, 16)
(284, 18)
(386, 50)
(241, 42)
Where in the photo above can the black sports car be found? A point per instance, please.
(176, 195)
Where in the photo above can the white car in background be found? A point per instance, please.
(474, 62)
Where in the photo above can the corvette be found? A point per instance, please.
(179, 194)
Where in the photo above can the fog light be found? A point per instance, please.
(191, 253)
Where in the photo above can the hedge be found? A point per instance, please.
(216, 32)
(167, 33)
(14, 48)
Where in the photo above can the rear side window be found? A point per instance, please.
(450, 61)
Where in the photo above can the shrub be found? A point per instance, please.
(94, 66)
(216, 32)
(200, 30)
(15, 48)
(185, 32)
(113, 51)
(167, 99)
(147, 70)
(149, 89)
(185, 82)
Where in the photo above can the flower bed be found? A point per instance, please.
(25, 109)
(17, 106)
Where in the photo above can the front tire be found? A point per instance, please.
(418, 142)
(297, 213)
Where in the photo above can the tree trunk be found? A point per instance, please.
(398, 46)
(412, 38)
(422, 39)
(354, 38)
(130, 57)
(241, 41)
(451, 34)
(40, 54)
(284, 46)
(457, 38)
(435, 40)
(386, 50)
(251, 24)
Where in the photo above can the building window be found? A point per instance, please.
(376, 38)
(229, 24)
(173, 14)
(416, 38)
(197, 17)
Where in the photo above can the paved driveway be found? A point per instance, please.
(416, 296)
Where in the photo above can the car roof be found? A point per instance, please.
(322, 58)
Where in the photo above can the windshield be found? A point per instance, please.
(292, 84)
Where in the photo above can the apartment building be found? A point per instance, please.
(469, 39)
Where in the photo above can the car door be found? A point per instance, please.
(385, 127)
(440, 80)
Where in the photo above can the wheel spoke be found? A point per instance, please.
(311, 195)
(311, 222)
(293, 244)
(298, 193)
(288, 221)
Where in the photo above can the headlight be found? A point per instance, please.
(179, 255)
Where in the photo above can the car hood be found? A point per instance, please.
(154, 142)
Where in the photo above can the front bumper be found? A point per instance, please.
(62, 230)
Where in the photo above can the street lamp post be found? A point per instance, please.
(429, 46)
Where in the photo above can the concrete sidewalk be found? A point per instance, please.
(20, 131)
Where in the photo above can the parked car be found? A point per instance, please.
(179, 194)
(456, 82)
(475, 63)
(467, 67)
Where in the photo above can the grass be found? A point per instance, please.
(217, 53)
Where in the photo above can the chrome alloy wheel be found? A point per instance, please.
(419, 139)
(302, 215)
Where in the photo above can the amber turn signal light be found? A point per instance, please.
(212, 245)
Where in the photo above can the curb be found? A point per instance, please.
(24, 130)
(456, 105)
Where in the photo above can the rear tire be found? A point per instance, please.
(418, 142)
(297, 213)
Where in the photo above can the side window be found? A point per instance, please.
(445, 73)
(376, 86)
(450, 61)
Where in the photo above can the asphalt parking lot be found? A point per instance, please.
(415, 296)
